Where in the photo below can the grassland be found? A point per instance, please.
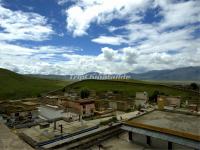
(130, 87)
(15, 86)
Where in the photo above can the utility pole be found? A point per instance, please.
(54, 125)
(61, 128)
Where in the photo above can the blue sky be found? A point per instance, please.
(107, 36)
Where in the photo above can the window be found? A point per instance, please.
(84, 112)
(16, 114)
(92, 111)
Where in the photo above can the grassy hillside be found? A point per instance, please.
(14, 86)
(130, 87)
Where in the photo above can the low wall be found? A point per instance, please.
(156, 143)
(164, 130)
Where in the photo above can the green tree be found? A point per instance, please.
(63, 90)
(194, 86)
(85, 93)
(154, 96)
(39, 95)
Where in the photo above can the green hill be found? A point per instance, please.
(130, 87)
(14, 86)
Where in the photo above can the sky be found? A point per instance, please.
(106, 36)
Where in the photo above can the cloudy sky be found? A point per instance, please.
(106, 36)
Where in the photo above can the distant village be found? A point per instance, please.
(42, 122)
(71, 106)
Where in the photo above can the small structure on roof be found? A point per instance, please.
(44, 125)
(173, 101)
(193, 107)
(141, 98)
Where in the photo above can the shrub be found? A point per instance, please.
(194, 86)
(85, 93)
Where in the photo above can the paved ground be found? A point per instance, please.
(174, 121)
(10, 141)
(120, 142)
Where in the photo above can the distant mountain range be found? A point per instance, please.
(179, 74)
(187, 73)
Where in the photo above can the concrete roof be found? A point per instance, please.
(178, 124)
(41, 135)
(10, 141)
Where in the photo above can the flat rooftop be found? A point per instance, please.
(10, 141)
(178, 124)
(45, 134)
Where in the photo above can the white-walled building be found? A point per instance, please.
(53, 112)
(141, 98)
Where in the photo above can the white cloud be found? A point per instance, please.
(152, 53)
(18, 25)
(130, 55)
(20, 50)
(62, 2)
(158, 45)
(179, 13)
(81, 15)
(108, 53)
(41, 59)
(168, 40)
(111, 40)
